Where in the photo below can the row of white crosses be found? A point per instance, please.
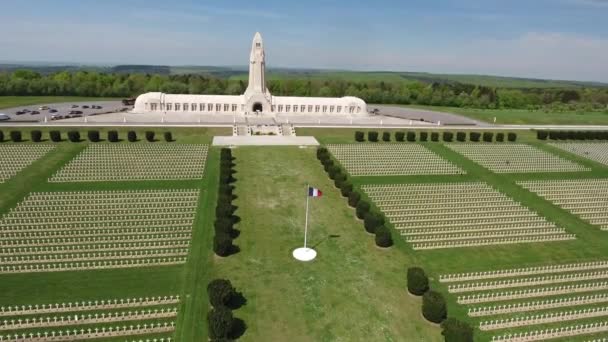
(544, 318)
(92, 240)
(523, 282)
(93, 265)
(585, 198)
(545, 334)
(96, 256)
(89, 318)
(430, 216)
(135, 162)
(66, 233)
(106, 304)
(515, 158)
(595, 151)
(525, 271)
(16, 157)
(545, 304)
(532, 293)
(108, 247)
(91, 333)
(390, 159)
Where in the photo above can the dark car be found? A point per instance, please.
(26, 110)
(74, 106)
(85, 107)
(52, 110)
(76, 115)
(20, 112)
(74, 112)
(34, 112)
(56, 117)
(96, 107)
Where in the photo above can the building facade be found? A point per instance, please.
(257, 100)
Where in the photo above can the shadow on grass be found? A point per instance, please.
(238, 328)
(237, 301)
(330, 236)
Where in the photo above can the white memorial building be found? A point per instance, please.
(257, 100)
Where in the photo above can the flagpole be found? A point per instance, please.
(306, 219)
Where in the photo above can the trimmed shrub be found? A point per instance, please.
(322, 153)
(454, 330)
(383, 237)
(371, 221)
(222, 244)
(220, 322)
(74, 136)
(354, 198)
(359, 136)
(224, 224)
(461, 136)
(334, 171)
(150, 136)
(434, 136)
(500, 137)
(93, 136)
(55, 136)
(168, 136)
(448, 136)
(372, 136)
(417, 281)
(16, 136)
(386, 136)
(434, 308)
(411, 136)
(36, 136)
(113, 136)
(553, 135)
(339, 179)
(346, 188)
(220, 292)
(474, 136)
(424, 136)
(512, 137)
(132, 136)
(542, 135)
(487, 136)
(399, 136)
(362, 208)
(1, 136)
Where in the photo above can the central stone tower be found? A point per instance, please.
(257, 96)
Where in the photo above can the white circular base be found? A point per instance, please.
(304, 254)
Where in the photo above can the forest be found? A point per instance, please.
(411, 92)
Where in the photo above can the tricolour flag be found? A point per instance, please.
(314, 192)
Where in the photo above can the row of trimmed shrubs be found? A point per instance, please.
(572, 135)
(74, 136)
(446, 136)
(434, 307)
(224, 211)
(223, 297)
(373, 222)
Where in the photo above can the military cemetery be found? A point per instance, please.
(219, 186)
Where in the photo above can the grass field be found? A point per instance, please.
(16, 101)
(522, 117)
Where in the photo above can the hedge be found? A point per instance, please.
(36, 136)
(220, 292)
(386, 136)
(113, 136)
(16, 136)
(168, 136)
(399, 136)
(359, 136)
(55, 136)
(454, 330)
(383, 237)
(434, 307)
(411, 136)
(220, 323)
(372, 136)
(132, 136)
(461, 136)
(424, 136)
(487, 136)
(93, 136)
(417, 281)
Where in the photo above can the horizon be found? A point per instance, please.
(548, 40)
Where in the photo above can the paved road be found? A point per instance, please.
(62, 109)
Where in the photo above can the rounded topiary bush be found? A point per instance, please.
(113, 136)
(411, 136)
(132, 136)
(512, 137)
(542, 135)
(417, 281)
(222, 244)
(1, 136)
(386, 136)
(461, 136)
(371, 222)
(500, 137)
(372, 136)
(346, 188)
(448, 136)
(434, 308)
(93, 136)
(220, 292)
(55, 136)
(74, 136)
(362, 208)
(16, 136)
(383, 238)
(150, 136)
(474, 136)
(487, 136)
(359, 136)
(36, 136)
(434, 136)
(220, 322)
(168, 136)
(454, 330)
(424, 136)
(354, 198)
(399, 136)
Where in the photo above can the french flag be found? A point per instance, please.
(314, 192)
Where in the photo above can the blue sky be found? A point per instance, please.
(558, 39)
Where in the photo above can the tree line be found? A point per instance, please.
(452, 94)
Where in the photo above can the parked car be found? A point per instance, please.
(74, 106)
(56, 116)
(26, 110)
(34, 112)
(96, 107)
(85, 107)
(43, 107)
(72, 112)
(19, 112)
(4, 117)
(52, 110)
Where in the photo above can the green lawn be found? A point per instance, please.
(16, 101)
(522, 117)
